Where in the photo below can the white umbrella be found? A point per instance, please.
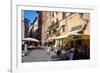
(30, 39)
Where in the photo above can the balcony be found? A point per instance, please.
(54, 26)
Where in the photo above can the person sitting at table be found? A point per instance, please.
(70, 53)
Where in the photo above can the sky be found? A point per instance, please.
(30, 14)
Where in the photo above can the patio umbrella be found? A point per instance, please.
(30, 39)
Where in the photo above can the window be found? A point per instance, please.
(63, 28)
(49, 32)
(71, 13)
(52, 14)
(56, 13)
(52, 22)
(57, 21)
(63, 15)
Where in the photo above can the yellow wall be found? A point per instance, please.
(87, 17)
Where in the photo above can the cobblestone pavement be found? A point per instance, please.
(36, 56)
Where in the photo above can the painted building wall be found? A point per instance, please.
(68, 22)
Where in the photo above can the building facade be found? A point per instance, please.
(25, 27)
(36, 27)
(60, 25)
(46, 22)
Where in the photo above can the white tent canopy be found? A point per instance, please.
(30, 39)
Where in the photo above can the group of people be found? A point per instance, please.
(30, 46)
(70, 52)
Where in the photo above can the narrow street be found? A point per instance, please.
(66, 34)
(36, 56)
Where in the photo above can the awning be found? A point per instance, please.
(72, 35)
(30, 39)
(80, 36)
(67, 36)
(64, 37)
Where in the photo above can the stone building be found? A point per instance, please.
(58, 26)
